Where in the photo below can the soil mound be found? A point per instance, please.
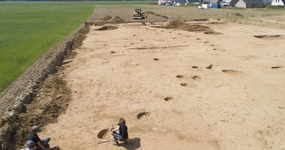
(107, 28)
(200, 28)
(212, 32)
(196, 28)
(180, 24)
(174, 23)
(107, 18)
(116, 19)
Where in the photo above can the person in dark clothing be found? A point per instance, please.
(30, 145)
(122, 134)
(41, 144)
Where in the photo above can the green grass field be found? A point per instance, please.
(29, 29)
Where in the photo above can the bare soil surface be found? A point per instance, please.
(177, 88)
(180, 84)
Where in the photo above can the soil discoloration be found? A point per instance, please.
(179, 76)
(104, 28)
(212, 32)
(209, 67)
(230, 71)
(269, 36)
(276, 67)
(195, 77)
(168, 98)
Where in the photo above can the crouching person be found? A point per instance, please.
(30, 145)
(40, 144)
(120, 133)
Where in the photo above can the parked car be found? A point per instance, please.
(178, 4)
(225, 5)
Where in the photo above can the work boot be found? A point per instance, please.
(115, 142)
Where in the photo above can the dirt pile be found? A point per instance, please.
(116, 20)
(174, 24)
(106, 18)
(196, 28)
(212, 32)
(199, 28)
(180, 24)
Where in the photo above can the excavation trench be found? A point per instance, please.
(46, 97)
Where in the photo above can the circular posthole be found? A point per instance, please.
(209, 67)
(183, 84)
(156, 59)
(195, 67)
(168, 98)
(143, 115)
(179, 76)
(195, 77)
(102, 133)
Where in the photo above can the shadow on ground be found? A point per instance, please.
(133, 144)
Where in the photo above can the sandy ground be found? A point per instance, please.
(161, 82)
